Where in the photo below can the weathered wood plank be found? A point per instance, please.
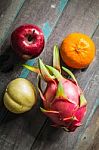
(9, 9)
(40, 13)
(89, 139)
(59, 139)
(50, 138)
(25, 133)
(24, 129)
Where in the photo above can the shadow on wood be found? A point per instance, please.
(48, 136)
(74, 71)
(8, 60)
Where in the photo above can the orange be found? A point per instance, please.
(77, 50)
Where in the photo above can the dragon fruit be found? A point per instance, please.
(63, 100)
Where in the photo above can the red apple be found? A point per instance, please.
(27, 41)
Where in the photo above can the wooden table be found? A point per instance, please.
(57, 18)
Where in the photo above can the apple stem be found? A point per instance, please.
(33, 31)
(30, 37)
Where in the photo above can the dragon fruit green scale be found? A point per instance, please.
(63, 99)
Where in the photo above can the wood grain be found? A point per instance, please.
(9, 9)
(15, 129)
(90, 137)
(31, 12)
(81, 137)
(50, 138)
(27, 132)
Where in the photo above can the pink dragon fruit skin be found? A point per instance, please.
(65, 106)
(63, 100)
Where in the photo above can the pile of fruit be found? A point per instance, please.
(63, 100)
